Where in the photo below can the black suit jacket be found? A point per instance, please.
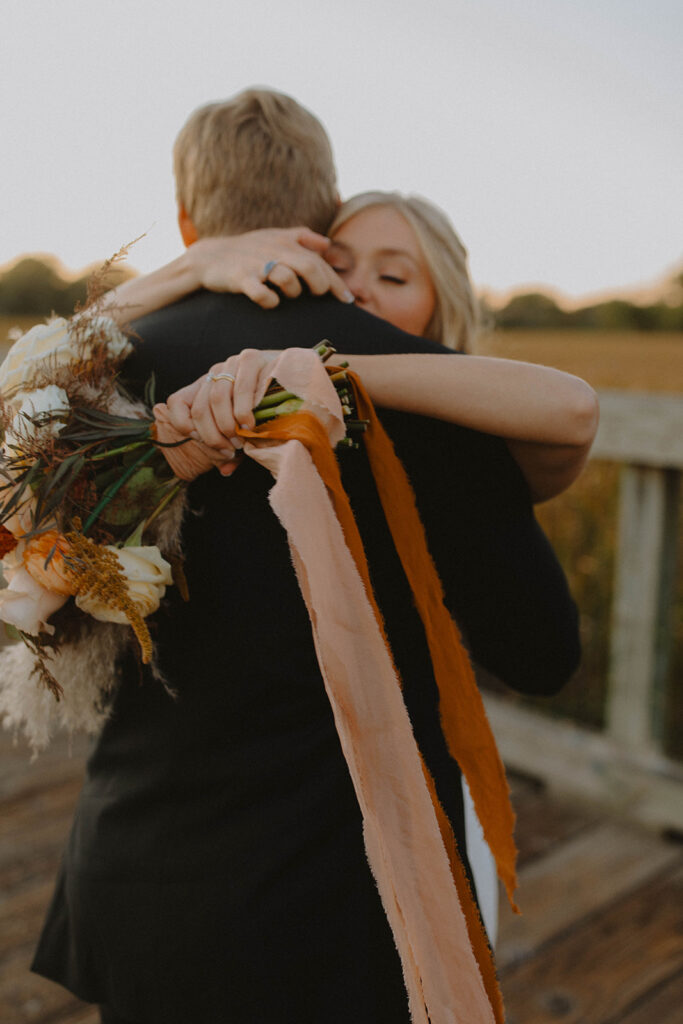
(216, 859)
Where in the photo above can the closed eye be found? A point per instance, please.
(392, 278)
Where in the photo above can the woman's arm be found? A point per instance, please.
(233, 264)
(547, 417)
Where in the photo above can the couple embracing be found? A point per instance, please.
(216, 871)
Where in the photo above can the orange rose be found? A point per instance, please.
(55, 576)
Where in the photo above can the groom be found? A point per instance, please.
(216, 869)
(261, 160)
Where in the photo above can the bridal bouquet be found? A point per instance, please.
(90, 514)
(82, 481)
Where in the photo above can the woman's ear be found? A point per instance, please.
(186, 225)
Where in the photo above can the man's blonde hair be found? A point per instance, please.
(257, 160)
(456, 318)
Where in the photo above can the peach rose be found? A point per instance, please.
(54, 576)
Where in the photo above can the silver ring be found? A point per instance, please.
(268, 267)
(219, 376)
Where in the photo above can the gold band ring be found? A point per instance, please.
(219, 376)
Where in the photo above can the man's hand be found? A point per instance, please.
(238, 264)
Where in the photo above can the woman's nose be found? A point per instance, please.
(357, 283)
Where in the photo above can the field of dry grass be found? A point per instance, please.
(630, 360)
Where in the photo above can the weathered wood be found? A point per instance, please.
(642, 607)
(639, 786)
(33, 832)
(574, 881)
(542, 823)
(596, 973)
(63, 759)
(21, 915)
(26, 998)
(661, 1007)
(640, 427)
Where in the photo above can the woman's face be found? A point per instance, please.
(379, 258)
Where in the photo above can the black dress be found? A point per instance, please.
(215, 872)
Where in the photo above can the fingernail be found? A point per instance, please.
(229, 454)
(349, 297)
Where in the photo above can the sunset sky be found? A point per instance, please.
(549, 130)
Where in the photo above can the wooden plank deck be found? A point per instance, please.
(600, 941)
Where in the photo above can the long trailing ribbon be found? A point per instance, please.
(463, 716)
(447, 964)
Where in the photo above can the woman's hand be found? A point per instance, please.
(240, 264)
(211, 409)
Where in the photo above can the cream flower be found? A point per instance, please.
(48, 400)
(55, 341)
(27, 605)
(42, 341)
(21, 521)
(104, 329)
(147, 574)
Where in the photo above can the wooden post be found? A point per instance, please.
(645, 433)
(641, 614)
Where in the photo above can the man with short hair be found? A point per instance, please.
(216, 872)
(259, 160)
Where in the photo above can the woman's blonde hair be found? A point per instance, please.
(257, 160)
(456, 317)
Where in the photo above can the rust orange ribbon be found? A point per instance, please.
(463, 717)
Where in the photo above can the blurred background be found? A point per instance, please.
(549, 131)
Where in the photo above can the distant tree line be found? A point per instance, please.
(35, 287)
(537, 310)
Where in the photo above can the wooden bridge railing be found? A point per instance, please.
(623, 767)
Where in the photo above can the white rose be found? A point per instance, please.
(56, 342)
(147, 574)
(50, 399)
(27, 605)
(104, 329)
(42, 341)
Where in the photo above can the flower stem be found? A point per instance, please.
(113, 490)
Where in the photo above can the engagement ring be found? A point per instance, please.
(268, 267)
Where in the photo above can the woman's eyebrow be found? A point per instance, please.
(403, 253)
(341, 248)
